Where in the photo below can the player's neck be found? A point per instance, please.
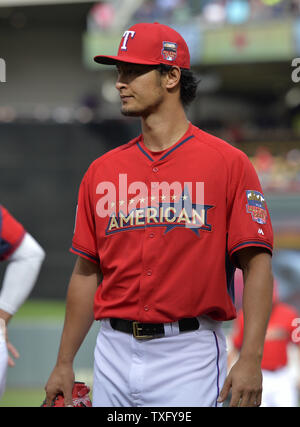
(161, 131)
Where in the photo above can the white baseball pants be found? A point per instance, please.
(178, 370)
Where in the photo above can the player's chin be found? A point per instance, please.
(129, 112)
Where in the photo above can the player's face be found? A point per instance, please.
(140, 89)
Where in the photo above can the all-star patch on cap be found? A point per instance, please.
(150, 44)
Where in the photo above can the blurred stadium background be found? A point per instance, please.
(59, 111)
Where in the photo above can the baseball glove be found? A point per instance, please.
(80, 395)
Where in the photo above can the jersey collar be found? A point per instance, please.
(164, 153)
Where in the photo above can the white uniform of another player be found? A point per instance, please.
(25, 257)
(3, 357)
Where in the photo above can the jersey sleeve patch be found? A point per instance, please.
(256, 206)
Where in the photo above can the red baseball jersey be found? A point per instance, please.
(11, 233)
(279, 335)
(165, 227)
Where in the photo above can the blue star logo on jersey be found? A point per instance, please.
(187, 214)
(183, 213)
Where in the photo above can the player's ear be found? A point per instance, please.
(173, 77)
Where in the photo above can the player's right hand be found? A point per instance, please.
(61, 380)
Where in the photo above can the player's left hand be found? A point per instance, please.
(245, 382)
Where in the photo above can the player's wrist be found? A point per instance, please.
(5, 316)
(64, 362)
(254, 355)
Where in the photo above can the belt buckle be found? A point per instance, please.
(136, 333)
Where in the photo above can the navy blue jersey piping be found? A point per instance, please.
(166, 154)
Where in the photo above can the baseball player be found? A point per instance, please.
(24, 257)
(279, 382)
(161, 224)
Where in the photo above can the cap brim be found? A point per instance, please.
(112, 60)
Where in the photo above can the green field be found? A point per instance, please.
(41, 311)
(19, 397)
(32, 311)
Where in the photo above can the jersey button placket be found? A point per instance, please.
(148, 250)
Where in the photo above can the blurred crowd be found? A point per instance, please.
(205, 11)
(217, 11)
(280, 173)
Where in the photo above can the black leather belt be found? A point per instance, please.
(151, 330)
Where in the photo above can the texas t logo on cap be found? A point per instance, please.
(126, 35)
(150, 44)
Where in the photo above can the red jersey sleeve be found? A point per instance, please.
(11, 233)
(248, 220)
(84, 238)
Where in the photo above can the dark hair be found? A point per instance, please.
(188, 83)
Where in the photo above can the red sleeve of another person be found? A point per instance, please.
(11, 233)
